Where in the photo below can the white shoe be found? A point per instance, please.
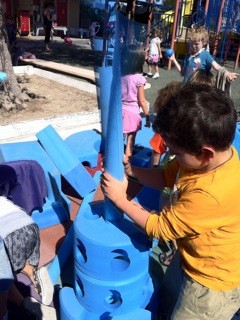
(156, 75)
(39, 310)
(148, 75)
(43, 285)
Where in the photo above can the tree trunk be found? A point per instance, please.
(11, 95)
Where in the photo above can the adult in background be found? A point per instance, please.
(47, 24)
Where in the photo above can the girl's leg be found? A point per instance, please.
(149, 69)
(130, 143)
(156, 75)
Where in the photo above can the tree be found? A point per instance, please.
(11, 95)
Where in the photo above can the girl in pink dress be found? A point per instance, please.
(133, 97)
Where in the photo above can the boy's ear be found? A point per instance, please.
(208, 152)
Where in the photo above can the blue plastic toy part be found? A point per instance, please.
(141, 157)
(3, 77)
(61, 257)
(149, 198)
(169, 52)
(66, 161)
(125, 256)
(71, 309)
(145, 135)
(113, 296)
(56, 208)
(86, 146)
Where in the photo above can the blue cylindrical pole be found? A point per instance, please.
(114, 132)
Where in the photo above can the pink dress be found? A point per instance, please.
(132, 121)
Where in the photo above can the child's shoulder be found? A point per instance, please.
(157, 39)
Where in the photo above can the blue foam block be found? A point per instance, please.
(54, 212)
(32, 150)
(57, 204)
(149, 198)
(142, 157)
(86, 146)
(145, 135)
(61, 257)
(66, 161)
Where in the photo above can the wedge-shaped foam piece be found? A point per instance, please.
(66, 161)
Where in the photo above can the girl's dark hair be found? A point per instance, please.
(132, 59)
(197, 115)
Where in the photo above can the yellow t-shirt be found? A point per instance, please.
(205, 220)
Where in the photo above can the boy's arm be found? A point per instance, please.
(152, 177)
(116, 192)
(178, 66)
(230, 75)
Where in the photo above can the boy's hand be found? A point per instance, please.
(127, 167)
(114, 189)
(231, 75)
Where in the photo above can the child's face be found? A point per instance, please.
(195, 46)
(187, 160)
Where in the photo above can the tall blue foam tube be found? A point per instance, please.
(111, 255)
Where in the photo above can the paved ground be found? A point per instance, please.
(80, 54)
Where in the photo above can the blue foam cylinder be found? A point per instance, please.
(71, 309)
(114, 130)
(103, 93)
(115, 297)
(108, 251)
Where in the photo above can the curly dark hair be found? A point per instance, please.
(197, 115)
